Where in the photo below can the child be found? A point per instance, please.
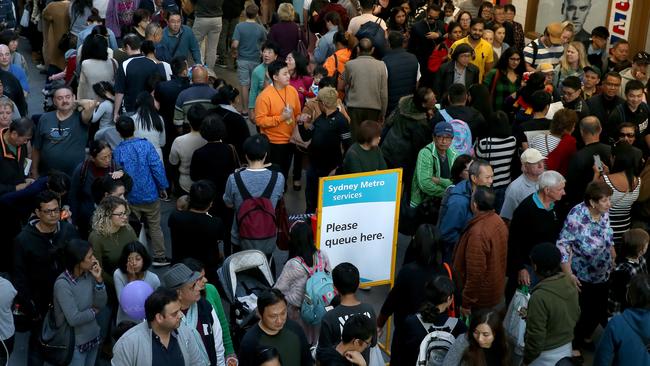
(319, 73)
(635, 245)
(346, 282)
(450, 12)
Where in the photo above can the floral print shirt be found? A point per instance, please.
(588, 244)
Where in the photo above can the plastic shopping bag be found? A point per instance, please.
(514, 323)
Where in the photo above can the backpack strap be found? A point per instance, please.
(241, 187)
(445, 115)
(269, 188)
(449, 325)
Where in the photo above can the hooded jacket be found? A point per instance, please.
(35, 266)
(407, 132)
(625, 340)
(456, 213)
(553, 311)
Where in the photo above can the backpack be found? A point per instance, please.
(436, 343)
(462, 142)
(375, 33)
(319, 291)
(256, 218)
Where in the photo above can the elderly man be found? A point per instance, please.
(480, 257)
(532, 166)
(533, 222)
(200, 92)
(455, 213)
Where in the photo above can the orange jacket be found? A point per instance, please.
(268, 110)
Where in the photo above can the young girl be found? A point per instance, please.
(635, 245)
(319, 73)
(133, 265)
(105, 100)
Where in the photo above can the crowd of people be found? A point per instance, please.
(523, 167)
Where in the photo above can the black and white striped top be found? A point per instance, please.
(499, 153)
(544, 143)
(620, 215)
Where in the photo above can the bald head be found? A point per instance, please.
(590, 126)
(199, 75)
(365, 46)
(5, 56)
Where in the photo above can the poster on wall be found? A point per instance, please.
(357, 222)
(584, 14)
(619, 20)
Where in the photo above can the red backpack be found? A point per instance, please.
(256, 217)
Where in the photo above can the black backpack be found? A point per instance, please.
(375, 33)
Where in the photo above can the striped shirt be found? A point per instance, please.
(620, 215)
(498, 152)
(544, 143)
(550, 55)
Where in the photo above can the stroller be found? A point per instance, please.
(243, 276)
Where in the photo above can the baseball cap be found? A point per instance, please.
(546, 256)
(554, 31)
(178, 276)
(532, 156)
(545, 68)
(593, 69)
(642, 57)
(443, 128)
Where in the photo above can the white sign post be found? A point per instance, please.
(357, 222)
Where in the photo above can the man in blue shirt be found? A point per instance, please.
(140, 160)
(17, 71)
(179, 39)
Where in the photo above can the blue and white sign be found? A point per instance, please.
(357, 222)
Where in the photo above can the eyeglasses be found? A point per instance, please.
(54, 211)
(120, 214)
(628, 135)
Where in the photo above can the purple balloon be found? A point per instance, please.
(133, 297)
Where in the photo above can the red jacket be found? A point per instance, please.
(559, 158)
(480, 259)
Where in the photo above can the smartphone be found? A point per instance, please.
(598, 162)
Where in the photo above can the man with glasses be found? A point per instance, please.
(627, 135)
(35, 266)
(602, 105)
(356, 337)
(571, 91)
(483, 55)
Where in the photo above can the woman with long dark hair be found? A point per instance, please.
(484, 344)
(398, 22)
(148, 123)
(303, 257)
(95, 66)
(407, 295)
(505, 78)
(79, 294)
(438, 297)
(301, 80)
(478, 96)
(623, 178)
(464, 18)
(133, 265)
(98, 164)
(236, 127)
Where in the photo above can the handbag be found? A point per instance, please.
(514, 323)
(301, 48)
(57, 341)
(64, 42)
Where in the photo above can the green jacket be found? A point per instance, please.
(212, 295)
(553, 312)
(426, 167)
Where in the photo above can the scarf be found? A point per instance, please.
(191, 320)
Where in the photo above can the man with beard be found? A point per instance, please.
(483, 54)
(425, 35)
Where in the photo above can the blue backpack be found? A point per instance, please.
(462, 142)
(319, 291)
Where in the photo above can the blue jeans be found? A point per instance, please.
(84, 359)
